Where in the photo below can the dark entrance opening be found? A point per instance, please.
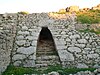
(46, 50)
(45, 34)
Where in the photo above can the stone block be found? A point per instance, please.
(29, 37)
(65, 55)
(23, 33)
(84, 41)
(28, 50)
(20, 37)
(20, 42)
(76, 36)
(74, 49)
(82, 65)
(68, 40)
(29, 63)
(80, 45)
(62, 47)
(33, 57)
(17, 63)
(60, 42)
(34, 43)
(24, 28)
(18, 56)
(93, 55)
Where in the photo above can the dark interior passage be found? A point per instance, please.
(45, 44)
(45, 34)
(46, 49)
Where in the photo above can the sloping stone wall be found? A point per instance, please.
(20, 33)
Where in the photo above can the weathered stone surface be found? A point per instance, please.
(68, 40)
(29, 37)
(33, 57)
(74, 49)
(60, 42)
(82, 65)
(53, 73)
(61, 47)
(20, 37)
(18, 56)
(20, 42)
(92, 55)
(96, 66)
(82, 41)
(29, 63)
(65, 55)
(24, 28)
(34, 43)
(23, 32)
(17, 63)
(28, 50)
(76, 36)
(80, 45)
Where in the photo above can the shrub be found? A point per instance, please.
(89, 17)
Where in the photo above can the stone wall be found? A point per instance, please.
(7, 34)
(20, 33)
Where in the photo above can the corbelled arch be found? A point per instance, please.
(46, 48)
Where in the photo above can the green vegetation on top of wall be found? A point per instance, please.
(88, 30)
(89, 17)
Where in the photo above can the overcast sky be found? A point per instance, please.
(42, 5)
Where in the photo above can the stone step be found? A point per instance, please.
(45, 53)
(41, 65)
(49, 62)
(48, 57)
(44, 50)
(42, 62)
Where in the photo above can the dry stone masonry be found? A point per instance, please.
(19, 36)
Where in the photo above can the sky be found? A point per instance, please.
(37, 6)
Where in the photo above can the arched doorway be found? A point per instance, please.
(46, 51)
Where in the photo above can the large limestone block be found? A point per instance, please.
(28, 50)
(74, 49)
(65, 55)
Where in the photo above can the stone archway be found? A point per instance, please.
(46, 51)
